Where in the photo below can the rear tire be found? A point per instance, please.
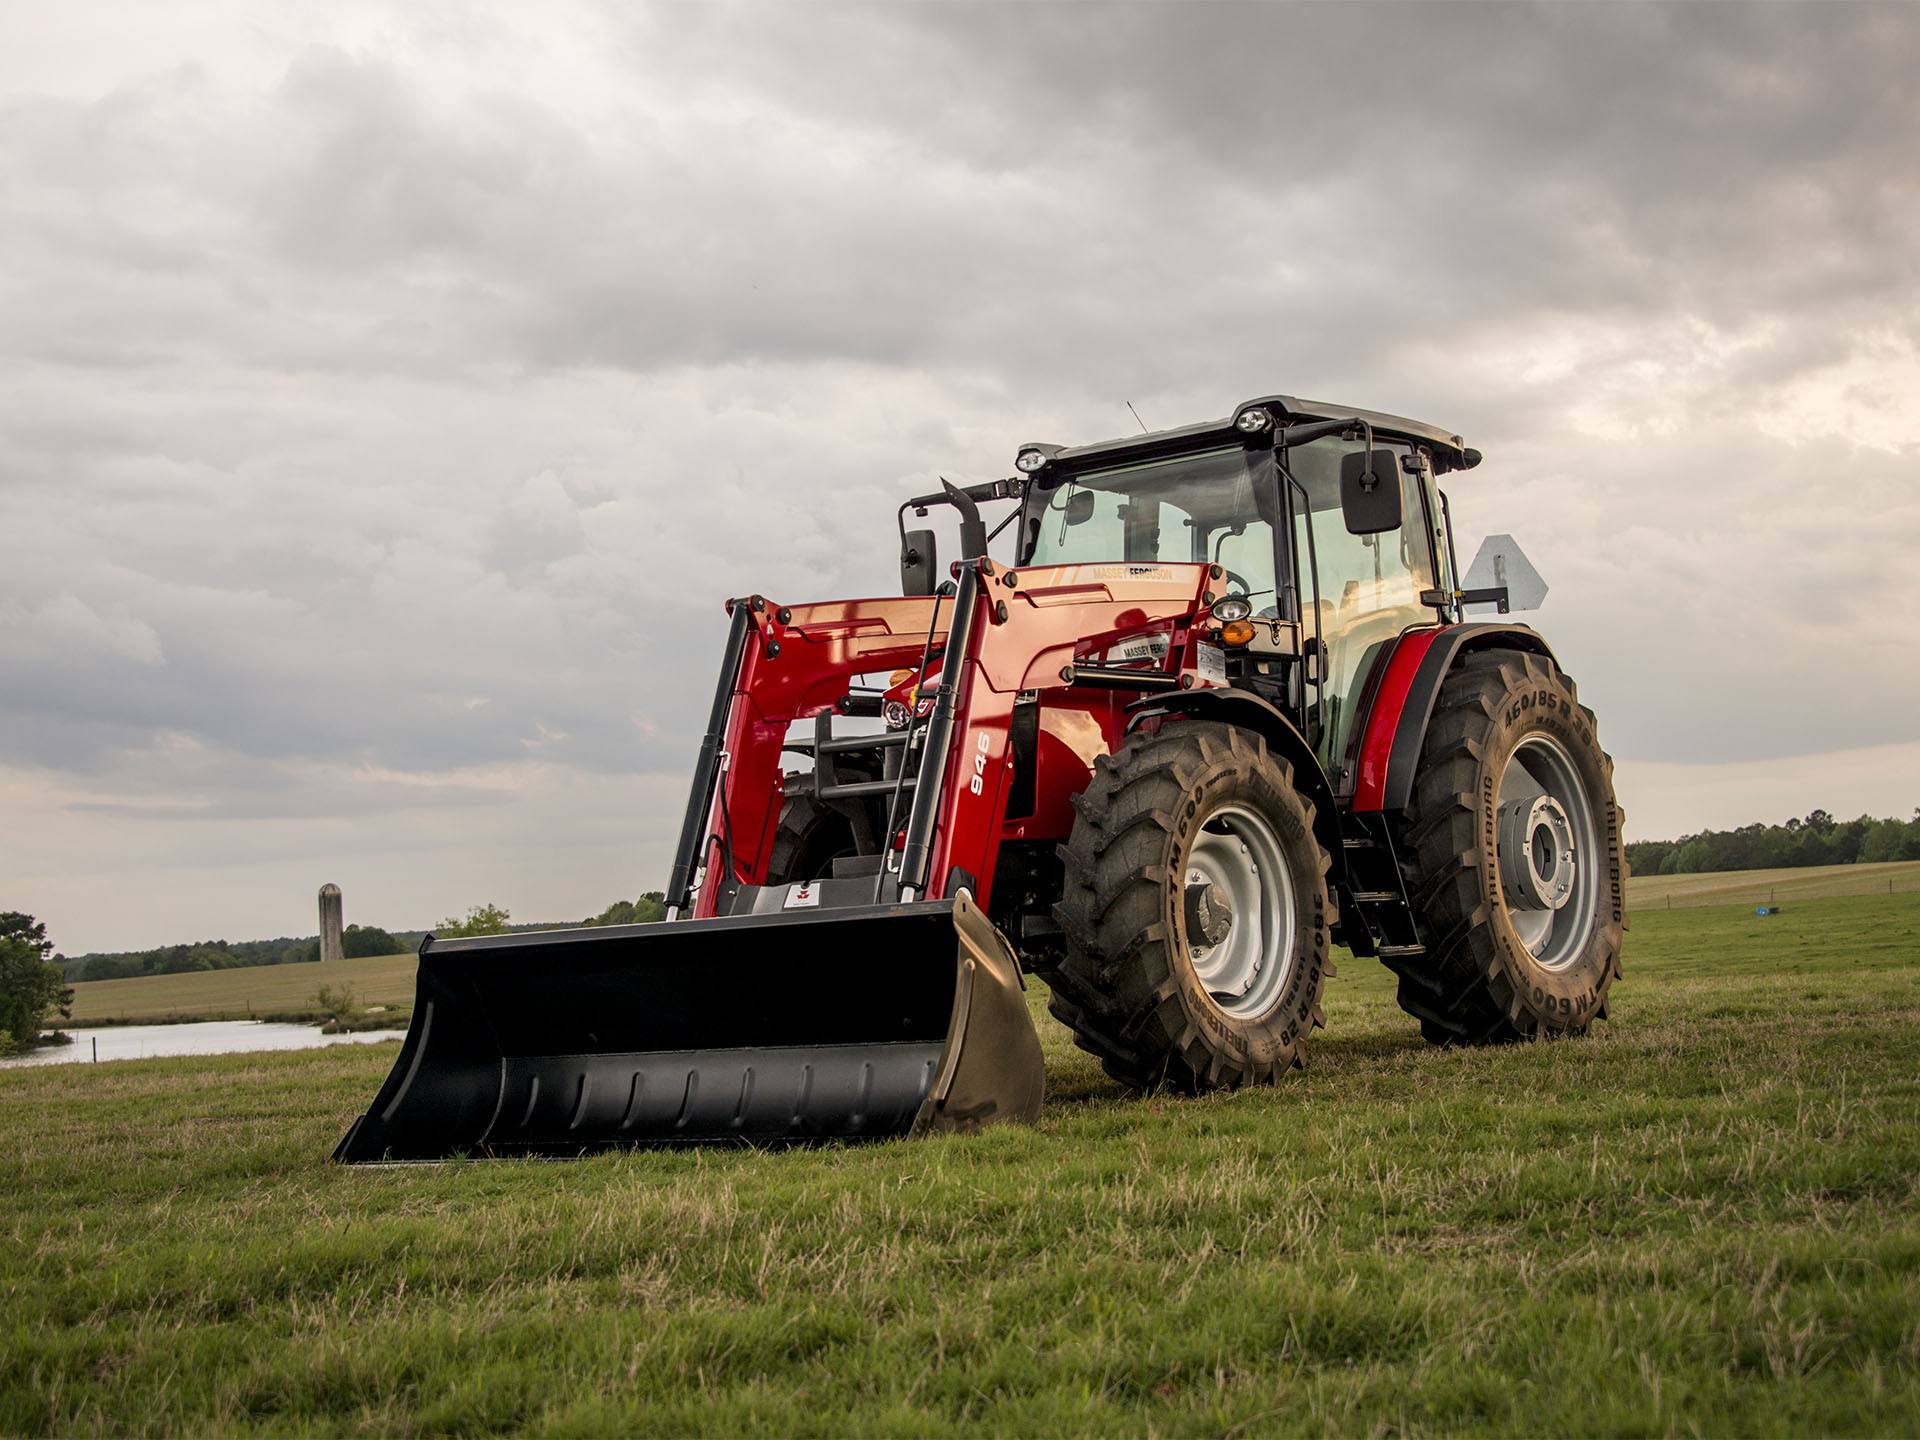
(1514, 858)
(1195, 912)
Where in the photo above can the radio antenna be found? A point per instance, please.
(1137, 420)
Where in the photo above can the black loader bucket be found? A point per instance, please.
(829, 1024)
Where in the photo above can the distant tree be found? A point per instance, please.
(110, 967)
(618, 913)
(214, 956)
(338, 1002)
(32, 986)
(16, 925)
(1812, 849)
(359, 940)
(649, 908)
(481, 920)
(1882, 841)
(1645, 857)
(1694, 855)
(1891, 840)
(1844, 842)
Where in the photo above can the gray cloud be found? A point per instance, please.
(393, 400)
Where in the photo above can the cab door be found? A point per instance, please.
(1369, 588)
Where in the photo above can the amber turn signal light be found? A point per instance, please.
(1236, 632)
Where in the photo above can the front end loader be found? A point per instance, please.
(1221, 712)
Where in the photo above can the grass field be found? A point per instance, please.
(1760, 887)
(1703, 1218)
(239, 994)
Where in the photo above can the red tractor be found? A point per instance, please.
(1222, 713)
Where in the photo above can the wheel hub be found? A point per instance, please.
(1537, 853)
(1237, 911)
(1209, 912)
(1547, 851)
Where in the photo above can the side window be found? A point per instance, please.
(1248, 560)
(1417, 546)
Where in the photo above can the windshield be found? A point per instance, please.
(1215, 506)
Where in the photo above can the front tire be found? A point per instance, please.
(810, 837)
(1516, 863)
(1195, 912)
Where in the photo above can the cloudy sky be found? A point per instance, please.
(392, 392)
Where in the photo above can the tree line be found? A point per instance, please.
(356, 940)
(497, 920)
(233, 955)
(1816, 839)
(649, 908)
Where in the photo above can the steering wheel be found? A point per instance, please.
(1242, 585)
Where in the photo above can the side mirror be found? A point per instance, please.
(1370, 493)
(919, 564)
(1079, 507)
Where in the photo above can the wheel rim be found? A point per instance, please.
(1547, 851)
(1237, 912)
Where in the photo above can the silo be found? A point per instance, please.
(330, 913)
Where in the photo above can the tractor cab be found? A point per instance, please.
(1325, 521)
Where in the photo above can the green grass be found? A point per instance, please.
(248, 992)
(1703, 1218)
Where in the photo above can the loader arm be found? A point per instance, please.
(1024, 631)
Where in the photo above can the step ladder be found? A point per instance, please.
(1387, 925)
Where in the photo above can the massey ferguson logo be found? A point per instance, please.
(978, 782)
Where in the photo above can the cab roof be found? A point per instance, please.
(1449, 453)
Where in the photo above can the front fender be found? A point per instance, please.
(1250, 712)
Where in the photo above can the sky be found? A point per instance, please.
(393, 392)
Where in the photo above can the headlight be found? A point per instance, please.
(895, 714)
(1028, 461)
(1253, 421)
(1233, 607)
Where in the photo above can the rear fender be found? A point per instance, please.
(1402, 706)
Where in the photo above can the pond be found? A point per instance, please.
(206, 1037)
